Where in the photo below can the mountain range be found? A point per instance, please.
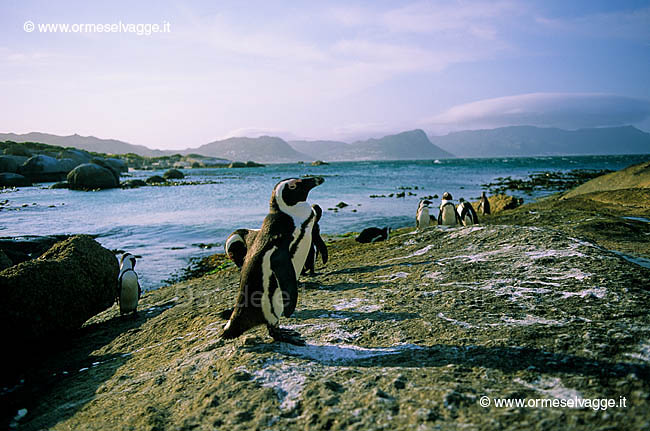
(414, 144)
(537, 141)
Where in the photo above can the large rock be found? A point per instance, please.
(117, 164)
(173, 174)
(9, 164)
(7, 179)
(58, 292)
(91, 176)
(24, 248)
(44, 168)
(79, 156)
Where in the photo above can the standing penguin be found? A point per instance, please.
(422, 218)
(317, 244)
(128, 287)
(238, 243)
(448, 215)
(268, 284)
(484, 205)
(467, 214)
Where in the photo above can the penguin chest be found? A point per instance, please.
(423, 217)
(449, 215)
(301, 243)
(129, 292)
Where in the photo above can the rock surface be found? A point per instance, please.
(90, 176)
(405, 334)
(9, 164)
(44, 168)
(636, 176)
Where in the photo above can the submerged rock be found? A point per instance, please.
(57, 292)
(156, 179)
(132, 184)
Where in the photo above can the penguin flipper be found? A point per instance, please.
(321, 247)
(285, 275)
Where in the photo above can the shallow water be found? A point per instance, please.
(164, 225)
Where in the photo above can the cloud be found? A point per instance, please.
(564, 110)
(632, 25)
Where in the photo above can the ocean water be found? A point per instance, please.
(165, 225)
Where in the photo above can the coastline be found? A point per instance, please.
(408, 332)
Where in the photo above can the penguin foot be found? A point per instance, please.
(225, 314)
(285, 335)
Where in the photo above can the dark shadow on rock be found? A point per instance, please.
(321, 313)
(506, 359)
(61, 375)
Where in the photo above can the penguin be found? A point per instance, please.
(422, 217)
(268, 284)
(484, 205)
(128, 287)
(467, 214)
(448, 215)
(238, 243)
(373, 234)
(317, 244)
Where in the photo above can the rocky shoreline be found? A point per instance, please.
(404, 334)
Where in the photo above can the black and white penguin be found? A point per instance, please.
(238, 243)
(484, 205)
(422, 217)
(317, 244)
(373, 234)
(467, 214)
(448, 215)
(128, 287)
(268, 284)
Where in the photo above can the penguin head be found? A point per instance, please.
(424, 203)
(127, 261)
(290, 193)
(236, 248)
(447, 196)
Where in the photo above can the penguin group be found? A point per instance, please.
(450, 214)
(273, 257)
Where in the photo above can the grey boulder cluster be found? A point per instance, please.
(19, 167)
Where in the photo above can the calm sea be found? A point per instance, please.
(165, 225)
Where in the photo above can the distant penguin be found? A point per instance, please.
(422, 217)
(318, 246)
(447, 215)
(484, 205)
(467, 214)
(268, 284)
(238, 243)
(373, 234)
(128, 287)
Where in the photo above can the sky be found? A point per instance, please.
(340, 70)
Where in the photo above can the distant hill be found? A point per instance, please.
(537, 141)
(321, 150)
(88, 143)
(265, 149)
(410, 145)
